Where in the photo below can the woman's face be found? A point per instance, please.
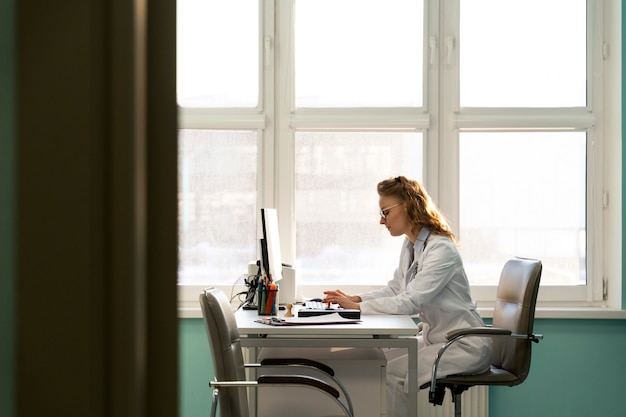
(394, 216)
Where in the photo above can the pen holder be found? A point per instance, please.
(267, 301)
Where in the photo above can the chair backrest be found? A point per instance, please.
(228, 363)
(515, 310)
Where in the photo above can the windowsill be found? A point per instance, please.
(540, 313)
(188, 306)
(569, 313)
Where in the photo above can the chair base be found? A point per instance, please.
(456, 398)
(436, 397)
(439, 393)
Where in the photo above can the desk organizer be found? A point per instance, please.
(267, 299)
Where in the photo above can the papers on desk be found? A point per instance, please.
(334, 318)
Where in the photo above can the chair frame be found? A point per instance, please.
(457, 384)
(227, 386)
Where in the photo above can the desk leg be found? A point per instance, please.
(250, 356)
(413, 387)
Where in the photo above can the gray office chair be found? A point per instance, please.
(230, 385)
(512, 333)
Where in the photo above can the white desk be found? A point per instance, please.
(374, 331)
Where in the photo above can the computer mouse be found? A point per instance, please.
(316, 300)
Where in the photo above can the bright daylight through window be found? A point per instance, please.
(305, 105)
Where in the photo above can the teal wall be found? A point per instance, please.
(623, 159)
(196, 369)
(7, 181)
(577, 371)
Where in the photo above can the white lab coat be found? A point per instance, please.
(432, 284)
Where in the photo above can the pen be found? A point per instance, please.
(270, 308)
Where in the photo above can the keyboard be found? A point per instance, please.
(318, 308)
(316, 305)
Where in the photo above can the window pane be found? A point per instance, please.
(217, 205)
(523, 194)
(218, 53)
(338, 235)
(358, 53)
(529, 53)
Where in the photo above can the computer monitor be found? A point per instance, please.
(270, 242)
(269, 263)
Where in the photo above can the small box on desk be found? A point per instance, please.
(288, 285)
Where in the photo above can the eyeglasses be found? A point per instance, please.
(384, 212)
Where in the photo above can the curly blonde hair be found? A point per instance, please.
(421, 209)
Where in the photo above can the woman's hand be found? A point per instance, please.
(343, 299)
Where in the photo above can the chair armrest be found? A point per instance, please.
(288, 380)
(311, 364)
(298, 362)
(299, 380)
(478, 331)
(488, 331)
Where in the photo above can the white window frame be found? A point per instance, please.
(471, 119)
(276, 120)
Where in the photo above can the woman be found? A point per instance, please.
(430, 281)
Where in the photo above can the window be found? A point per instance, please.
(217, 203)
(336, 203)
(374, 61)
(520, 192)
(304, 105)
